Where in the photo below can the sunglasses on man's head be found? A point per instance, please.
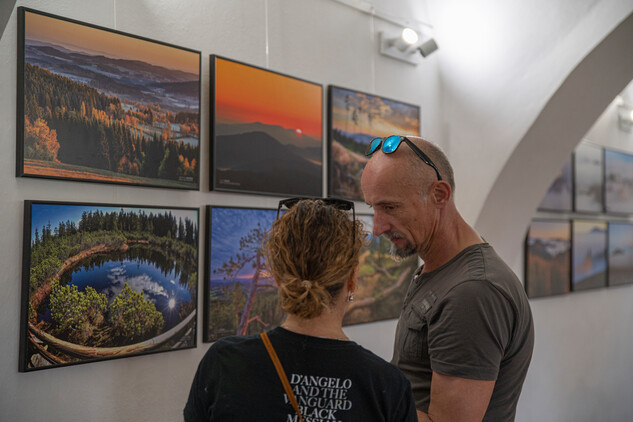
(341, 204)
(391, 143)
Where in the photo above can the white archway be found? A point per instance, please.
(566, 117)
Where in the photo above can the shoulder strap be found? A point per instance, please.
(282, 374)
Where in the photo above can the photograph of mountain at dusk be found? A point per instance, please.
(102, 106)
(267, 133)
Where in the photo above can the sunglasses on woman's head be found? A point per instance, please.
(391, 143)
(341, 204)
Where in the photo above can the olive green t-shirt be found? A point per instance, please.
(470, 318)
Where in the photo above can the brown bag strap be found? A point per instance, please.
(282, 374)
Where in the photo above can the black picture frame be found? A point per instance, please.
(588, 178)
(106, 281)
(548, 258)
(620, 253)
(100, 105)
(266, 131)
(347, 145)
(589, 254)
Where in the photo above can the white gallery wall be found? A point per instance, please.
(498, 65)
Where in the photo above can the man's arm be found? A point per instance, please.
(457, 399)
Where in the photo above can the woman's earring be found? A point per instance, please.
(350, 297)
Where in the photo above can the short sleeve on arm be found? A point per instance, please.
(469, 331)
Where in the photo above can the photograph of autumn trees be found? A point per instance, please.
(241, 296)
(355, 119)
(267, 131)
(106, 281)
(102, 106)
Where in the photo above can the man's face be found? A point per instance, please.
(401, 212)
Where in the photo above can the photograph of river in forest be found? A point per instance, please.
(241, 296)
(100, 105)
(106, 281)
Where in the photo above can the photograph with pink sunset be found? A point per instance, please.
(266, 132)
(100, 105)
(355, 118)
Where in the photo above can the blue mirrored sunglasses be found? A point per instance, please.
(391, 143)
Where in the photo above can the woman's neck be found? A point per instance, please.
(326, 325)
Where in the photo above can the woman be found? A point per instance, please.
(312, 252)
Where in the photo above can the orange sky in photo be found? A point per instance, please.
(91, 40)
(250, 95)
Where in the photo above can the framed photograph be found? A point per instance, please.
(618, 179)
(99, 105)
(241, 296)
(355, 118)
(589, 254)
(548, 258)
(267, 131)
(382, 281)
(559, 195)
(104, 281)
(620, 261)
(588, 178)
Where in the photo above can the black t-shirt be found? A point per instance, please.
(332, 380)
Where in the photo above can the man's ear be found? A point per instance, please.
(441, 192)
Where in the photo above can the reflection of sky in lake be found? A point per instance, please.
(228, 226)
(110, 278)
(589, 243)
(42, 214)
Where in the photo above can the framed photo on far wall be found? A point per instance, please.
(588, 178)
(618, 179)
(355, 118)
(589, 254)
(99, 105)
(548, 258)
(559, 195)
(620, 249)
(104, 281)
(267, 131)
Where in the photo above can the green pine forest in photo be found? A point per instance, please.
(70, 126)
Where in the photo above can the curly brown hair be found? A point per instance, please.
(311, 253)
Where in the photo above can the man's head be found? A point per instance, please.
(406, 194)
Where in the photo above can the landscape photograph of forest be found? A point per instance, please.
(102, 106)
(267, 131)
(241, 296)
(106, 281)
(355, 118)
(548, 258)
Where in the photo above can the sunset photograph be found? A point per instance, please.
(267, 133)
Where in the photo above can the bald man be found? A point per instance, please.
(465, 334)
